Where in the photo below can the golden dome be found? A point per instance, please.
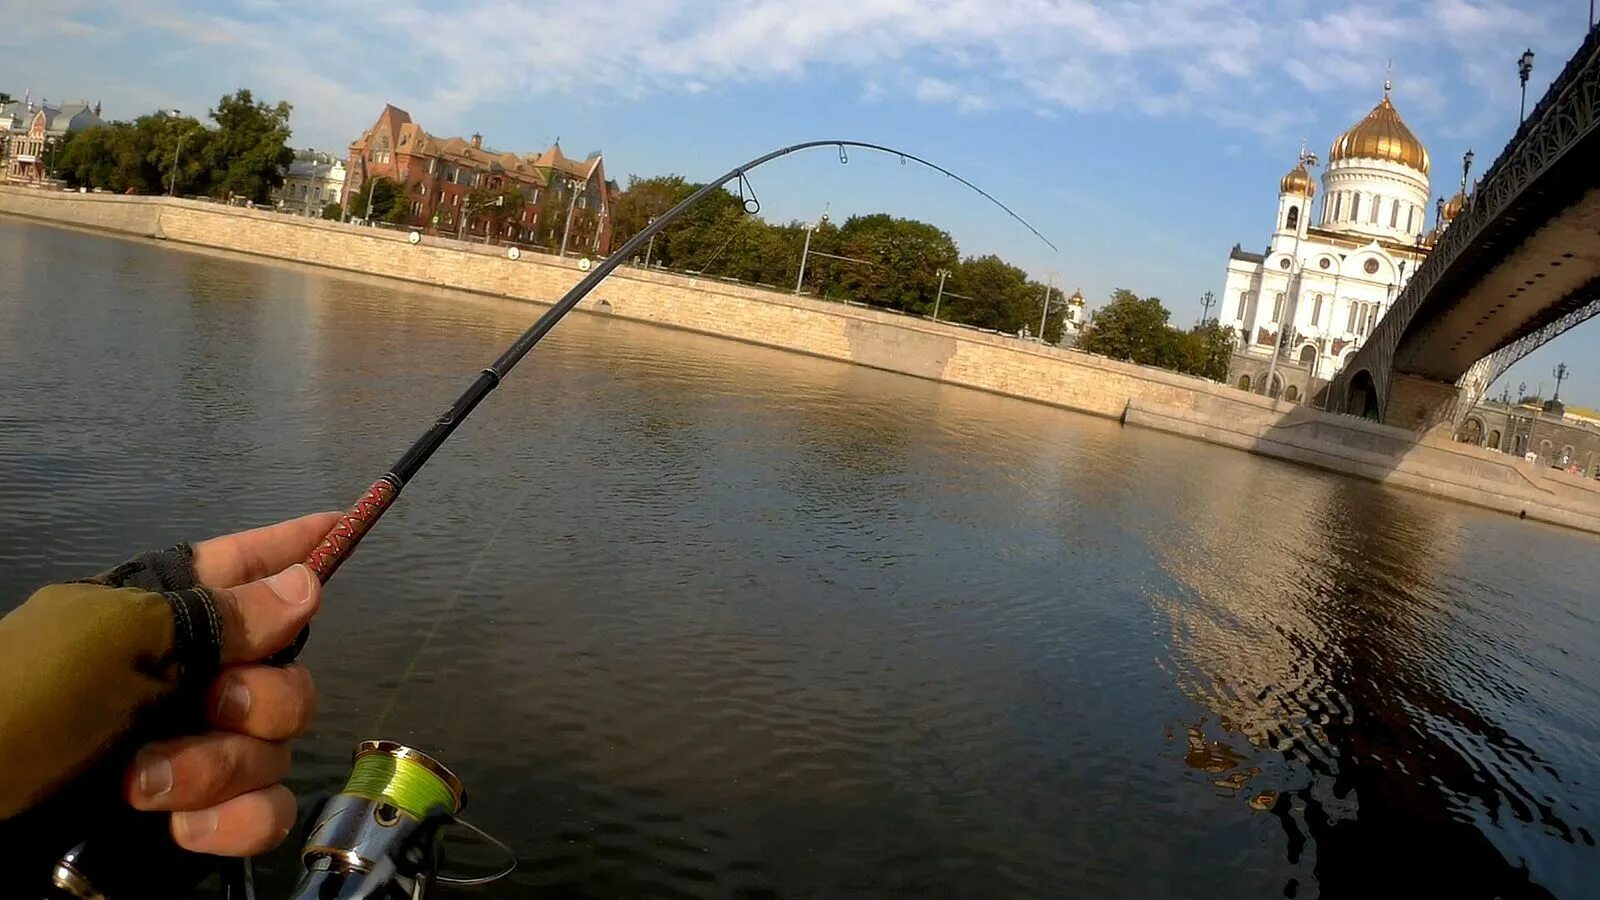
(1076, 299)
(1381, 135)
(1453, 206)
(1298, 181)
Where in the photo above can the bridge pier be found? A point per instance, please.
(1420, 403)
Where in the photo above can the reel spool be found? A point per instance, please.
(378, 837)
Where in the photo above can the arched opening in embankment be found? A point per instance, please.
(1362, 399)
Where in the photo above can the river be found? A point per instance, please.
(700, 619)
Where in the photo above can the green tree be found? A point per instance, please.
(490, 210)
(989, 293)
(1133, 329)
(115, 156)
(332, 211)
(1206, 351)
(899, 261)
(249, 151)
(379, 200)
(644, 199)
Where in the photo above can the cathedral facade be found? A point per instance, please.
(1331, 268)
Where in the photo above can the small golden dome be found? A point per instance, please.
(1298, 181)
(1454, 205)
(1382, 135)
(1076, 299)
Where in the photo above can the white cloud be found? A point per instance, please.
(1253, 64)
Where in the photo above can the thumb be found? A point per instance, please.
(263, 617)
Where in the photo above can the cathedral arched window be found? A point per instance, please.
(1394, 215)
(1292, 221)
(1244, 297)
(1277, 308)
(1377, 204)
(1316, 309)
(1411, 218)
(1351, 325)
(1355, 206)
(1338, 205)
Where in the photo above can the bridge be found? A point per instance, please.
(1518, 266)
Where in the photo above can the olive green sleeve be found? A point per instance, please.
(77, 663)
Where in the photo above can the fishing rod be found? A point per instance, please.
(379, 836)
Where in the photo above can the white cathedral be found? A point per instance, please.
(1331, 280)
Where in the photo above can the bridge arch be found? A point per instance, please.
(1362, 397)
(1494, 440)
(1471, 431)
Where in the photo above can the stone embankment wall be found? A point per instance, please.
(1138, 395)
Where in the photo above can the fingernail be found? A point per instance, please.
(190, 826)
(155, 775)
(292, 585)
(234, 704)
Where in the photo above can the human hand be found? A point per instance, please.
(222, 787)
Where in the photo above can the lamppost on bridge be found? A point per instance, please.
(1524, 69)
(1207, 301)
(943, 274)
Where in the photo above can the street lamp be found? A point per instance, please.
(1206, 302)
(1044, 314)
(652, 246)
(943, 274)
(172, 189)
(806, 251)
(1524, 69)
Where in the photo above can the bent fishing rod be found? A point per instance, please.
(379, 836)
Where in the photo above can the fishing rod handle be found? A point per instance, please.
(337, 545)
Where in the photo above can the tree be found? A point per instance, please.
(115, 156)
(332, 211)
(989, 293)
(900, 260)
(249, 151)
(1206, 350)
(1133, 329)
(493, 209)
(643, 200)
(379, 200)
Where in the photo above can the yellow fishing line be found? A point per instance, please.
(403, 782)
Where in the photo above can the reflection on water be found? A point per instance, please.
(696, 619)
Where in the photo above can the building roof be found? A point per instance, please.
(313, 169)
(1244, 255)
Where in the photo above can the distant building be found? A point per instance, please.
(32, 133)
(1555, 436)
(313, 181)
(438, 175)
(1327, 277)
(1073, 321)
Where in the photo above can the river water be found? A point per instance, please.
(699, 619)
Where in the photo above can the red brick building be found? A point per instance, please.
(438, 177)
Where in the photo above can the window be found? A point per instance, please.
(1355, 206)
(1292, 394)
(1244, 382)
(1307, 354)
(1370, 267)
(1411, 219)
(431, 161)
(416, 208)
(1394, 215)
(1377, 204)
(1293, 220)
(535, 196)
(441, 198)
(1277, 307)
(1316, 309)
(1350, 326)
(1243, 297)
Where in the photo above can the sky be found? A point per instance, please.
(1143, 138)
